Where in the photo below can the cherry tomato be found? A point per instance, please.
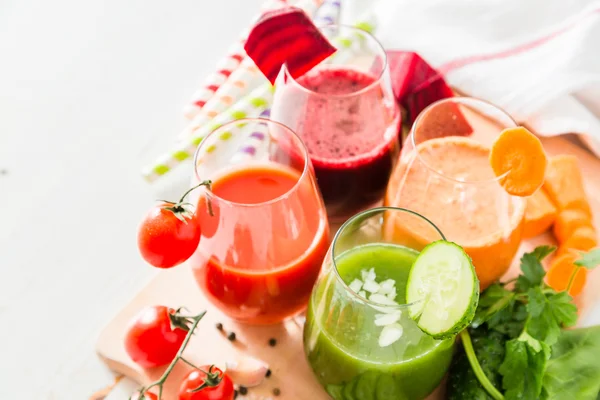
(168, 235)
(150, 341)
(147, 396)
(222, 389)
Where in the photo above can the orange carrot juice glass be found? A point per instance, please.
(444, 173)
(261, 249)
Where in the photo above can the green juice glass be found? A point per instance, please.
(343, 332)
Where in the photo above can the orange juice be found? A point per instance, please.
(449, 181)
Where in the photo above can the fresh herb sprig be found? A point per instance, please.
(517, 322)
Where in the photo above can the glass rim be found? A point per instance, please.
(375, 211)
(358, 92)
(465, 100)
(301, 146)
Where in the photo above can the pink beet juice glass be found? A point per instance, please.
(345, 112)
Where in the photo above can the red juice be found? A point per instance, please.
(351, 133)
(261, 252)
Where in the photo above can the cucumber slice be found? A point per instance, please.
(442, 290)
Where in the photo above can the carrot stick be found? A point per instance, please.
(583, 239)
(561, 273)
(568, 221)
(564, 184)
(540, 214)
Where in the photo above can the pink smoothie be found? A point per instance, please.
(351, 132)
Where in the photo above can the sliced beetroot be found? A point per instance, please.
(286, 36)
(416, 85)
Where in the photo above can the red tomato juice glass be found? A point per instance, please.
(261, 250)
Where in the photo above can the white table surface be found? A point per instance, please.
(89, 92)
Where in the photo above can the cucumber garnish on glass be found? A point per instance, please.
(442, 290)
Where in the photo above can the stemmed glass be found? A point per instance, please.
(344, 337)
(344, 110)
(261, 249)
(444, 172)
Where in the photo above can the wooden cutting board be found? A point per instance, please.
(291, 373)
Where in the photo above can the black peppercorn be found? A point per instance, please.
(268, 374)
(276, 391)
(220, 326)
(243, 390)
(272, 342)
(231, 336)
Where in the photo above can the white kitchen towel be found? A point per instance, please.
(537, 59)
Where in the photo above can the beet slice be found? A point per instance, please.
(416, 85)
(286, 36)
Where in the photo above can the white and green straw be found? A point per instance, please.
(240, 83)
(328, 13)
(250, 106)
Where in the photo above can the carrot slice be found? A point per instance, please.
(539, 214)
(518, 157)
(564, 184)
(583, 239)
(567, 221)
(560, 273)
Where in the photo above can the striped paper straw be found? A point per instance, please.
(251, 105)
(328, 13)
(213, 82)
(242, 81)
(254, 143)
(225, 67)
(353, 41)
(367, 23)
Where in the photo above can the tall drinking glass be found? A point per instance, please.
(444, 172)
(261, 249)
(359, 344)
(345, 112)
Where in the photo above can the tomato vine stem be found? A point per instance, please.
(183, 360)
(206, 183)
(179, 356)
(180, 208)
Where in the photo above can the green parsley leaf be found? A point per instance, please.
(548, 313)
(589, 260)
(523, 368)
(537, 301)
(509, 321)
(541, 325)
(542, 252)
(563, 309)
(533, 272)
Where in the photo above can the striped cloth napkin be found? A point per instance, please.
(537, 59)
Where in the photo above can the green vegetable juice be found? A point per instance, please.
(341, 338)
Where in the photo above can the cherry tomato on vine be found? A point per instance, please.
(170, 232)
(147, 396)
(155, 335)
(214, 384)
(166, 240)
